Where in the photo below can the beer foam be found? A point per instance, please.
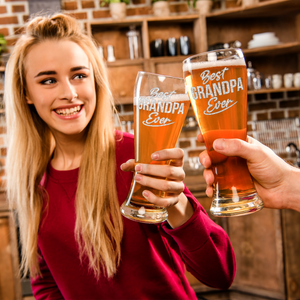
(190, 66)
(179, 97)
(173, 98)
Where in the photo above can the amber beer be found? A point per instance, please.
(218, 93)
(158, 123)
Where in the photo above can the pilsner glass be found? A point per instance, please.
(160, 107)
(217, 86)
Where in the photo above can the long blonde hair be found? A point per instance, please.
(99, 227)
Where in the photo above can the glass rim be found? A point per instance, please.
(238, 50)
(156, 74)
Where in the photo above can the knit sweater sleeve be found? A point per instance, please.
(44, 287)
(205, 248)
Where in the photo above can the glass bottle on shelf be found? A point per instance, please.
(134, 43)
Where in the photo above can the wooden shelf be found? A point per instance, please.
(125, 62)
(263, 91)
(279, 49)
(138, 20)
(261, 10)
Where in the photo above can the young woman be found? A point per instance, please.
(68, 172)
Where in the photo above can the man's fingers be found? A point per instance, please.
(205, 159)
(200, 138)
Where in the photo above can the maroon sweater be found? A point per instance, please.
(153, 256)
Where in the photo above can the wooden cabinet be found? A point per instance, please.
(10, 285)
(279, 16)
(122, 72)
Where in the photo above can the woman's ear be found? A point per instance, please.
(28, 100)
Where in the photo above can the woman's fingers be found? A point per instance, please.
(163, 171)
(160, 184)
(128, 166)
(167, 201)
(175, 155)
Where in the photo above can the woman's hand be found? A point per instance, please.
(178, 206)
(276, 182)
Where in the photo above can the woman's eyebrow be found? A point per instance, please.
(50, 72)
(45, 73)
(79, 68)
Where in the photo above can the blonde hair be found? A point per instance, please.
(99, 227)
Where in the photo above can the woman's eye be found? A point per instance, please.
(48, 81)
(80, 76)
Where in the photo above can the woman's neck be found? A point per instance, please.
(68, 152)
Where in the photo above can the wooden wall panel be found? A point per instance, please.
(291, 238)
(10, 288)
(122, 80)
(257, 241)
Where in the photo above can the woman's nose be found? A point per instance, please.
(67, 92)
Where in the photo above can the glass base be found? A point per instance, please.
(229, 207)
(143, 214)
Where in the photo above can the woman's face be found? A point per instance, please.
(60, 84)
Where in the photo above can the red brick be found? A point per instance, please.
(262, 106)
(71, 5)
(9, 20)
(289, 103)
(2, 172)
(138, 2)
(25, 18)
(277, 115)
(2, 129)
(103, 4)
(293, 113)
(194, 153)
(3, 151)
(4, 31)
(3, 10)
(2, 162)
(3, 184)
(18, 30)
(101, 14)
(263, 116)
(187, 134)
(79, 16)
(18, 8)
(198, 144)
(11, 42)
(178, 8)
(184, 144)
(128, 107)
(139, 11)
(87, 4)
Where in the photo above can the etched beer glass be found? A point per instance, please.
(217, 86)
(160, 107)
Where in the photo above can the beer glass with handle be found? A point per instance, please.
(217, 86)
(160, 107)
